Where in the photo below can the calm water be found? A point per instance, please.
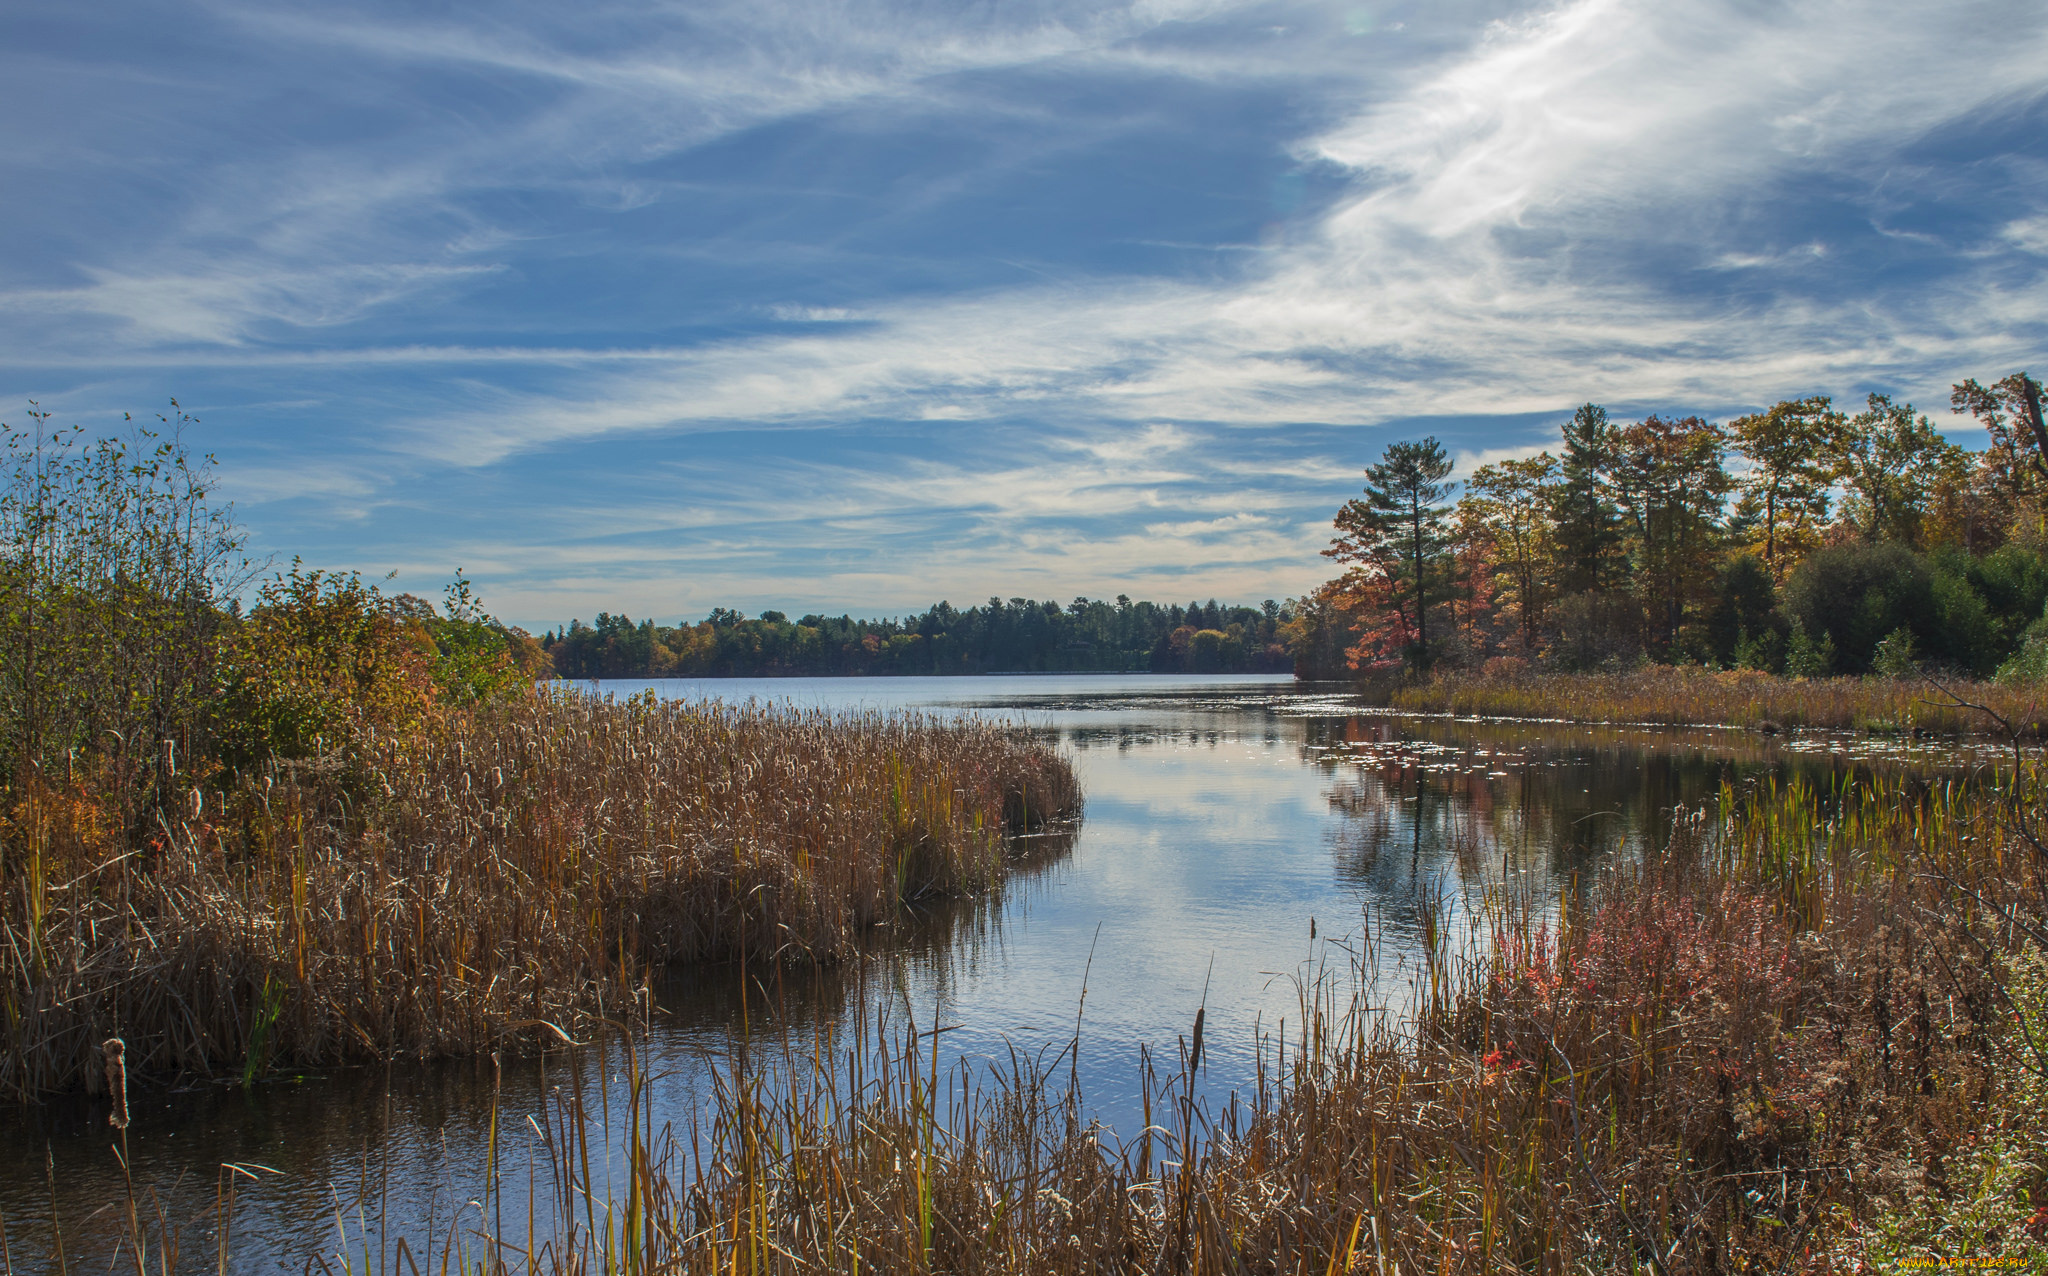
(1225, 817)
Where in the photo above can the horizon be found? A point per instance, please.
(655, 312)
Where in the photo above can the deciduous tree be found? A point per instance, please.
(1891, 459)
(1791, 449)
(1513, 503)
(2011, 412)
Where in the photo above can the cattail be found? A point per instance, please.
(117, 1080)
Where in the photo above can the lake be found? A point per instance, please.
(1228, 820)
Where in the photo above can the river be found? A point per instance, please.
(1228, 819)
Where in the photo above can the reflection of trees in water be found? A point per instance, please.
(1419, 799)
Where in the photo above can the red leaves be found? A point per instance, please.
(1502, 1061)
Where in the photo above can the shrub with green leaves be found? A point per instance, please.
(1858, 594)
(2030, 662)
(116, 569)
(1807, 656)
(1895, 657)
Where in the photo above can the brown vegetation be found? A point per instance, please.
(483, 876)
(1689, 696)
(1807, 1038)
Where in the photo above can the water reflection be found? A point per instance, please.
(349, 1158)
(1224, 818)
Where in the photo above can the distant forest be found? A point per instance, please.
(1017, 636)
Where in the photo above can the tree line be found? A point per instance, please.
(1018, 635)
(1802, 539)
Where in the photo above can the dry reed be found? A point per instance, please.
(1810, 1035)
(505, 874)
(1796, 1041)
(1688, 695)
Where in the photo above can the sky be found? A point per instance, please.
(854, 305)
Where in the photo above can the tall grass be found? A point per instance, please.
(1741, 698)
(503, 874)
(1795, 1041)
(1808, 1035)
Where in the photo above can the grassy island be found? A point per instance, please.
(337, 825)
(496, 875)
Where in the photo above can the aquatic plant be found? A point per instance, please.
(1806, 1034)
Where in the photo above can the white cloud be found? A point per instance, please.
(791, 313)
(1602, 131)
(2029, 234)
(1592, 200)
(229, 307)
(1468, 461)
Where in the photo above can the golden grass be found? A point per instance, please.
(1809, 1036)
(1689, 695)
(1796, 1042)
(507, 874)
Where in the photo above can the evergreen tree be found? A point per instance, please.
(1672, 483)
(1588, 531)
(1397, 533)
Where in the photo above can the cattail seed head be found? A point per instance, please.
(117, 1080)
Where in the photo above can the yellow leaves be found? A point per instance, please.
(320, 663)
(69, 822)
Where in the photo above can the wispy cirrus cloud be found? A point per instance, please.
(899, 297)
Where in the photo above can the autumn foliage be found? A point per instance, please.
(1803, 539)
(337, 824)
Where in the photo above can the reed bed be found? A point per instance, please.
(1807, 1037)
(1690, 696)
(1810, 1035)
(504, 875)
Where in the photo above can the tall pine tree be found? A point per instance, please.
(1398, 531)
(1588, 530)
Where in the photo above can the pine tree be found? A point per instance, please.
(1588, 525)
(1398, 530)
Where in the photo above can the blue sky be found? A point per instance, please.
(856, 306)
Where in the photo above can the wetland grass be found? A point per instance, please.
(1804, 1038)
(1810, 1034)
(1691, 696)
(504, 874)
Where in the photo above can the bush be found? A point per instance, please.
(1764, 652)
(1858, 594)
(324, 662)
(2030, 662)
(1808, 657)
(1745, 610)
(115, 572)
(1895, 656)
(2013, 581)
(320, 662)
